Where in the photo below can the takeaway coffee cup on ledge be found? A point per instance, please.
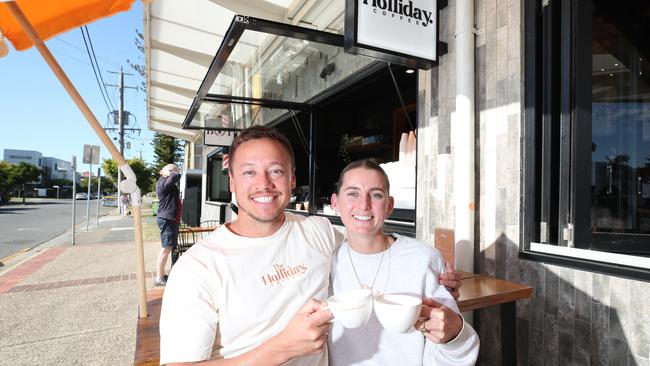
(351, 308)
(397, 313)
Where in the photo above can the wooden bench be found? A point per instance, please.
(147, 343)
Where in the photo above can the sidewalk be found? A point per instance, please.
(74, 305)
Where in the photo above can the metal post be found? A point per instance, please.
(74, 193)
(90, 174)
(120, 118)
(99, 184)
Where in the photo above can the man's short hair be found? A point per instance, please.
(257, 133)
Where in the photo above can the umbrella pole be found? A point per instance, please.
(106, 140)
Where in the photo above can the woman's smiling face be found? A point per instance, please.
(363, 201)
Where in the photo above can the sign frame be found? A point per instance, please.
(352, 44)
(220, 141)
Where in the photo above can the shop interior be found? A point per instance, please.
(366, 120)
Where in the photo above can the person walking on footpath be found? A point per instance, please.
(168, 217)
(124, 203)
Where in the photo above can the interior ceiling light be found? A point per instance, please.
(409, 71)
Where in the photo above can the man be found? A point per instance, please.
(167, 217)
(254, 281)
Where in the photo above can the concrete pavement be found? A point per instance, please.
(74, 305)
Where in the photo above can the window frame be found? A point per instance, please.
(547, 208)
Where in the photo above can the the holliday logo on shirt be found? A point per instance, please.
(282, 273)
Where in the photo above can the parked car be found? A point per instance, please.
(81, 196)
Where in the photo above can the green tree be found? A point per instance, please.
(5, 181)
(23, 173)
(166, 150)
(61, 182)
(106, 185)
(143, 173)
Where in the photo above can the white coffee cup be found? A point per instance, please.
(351, 308)
(397, 313)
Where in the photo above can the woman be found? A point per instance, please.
(391, 264)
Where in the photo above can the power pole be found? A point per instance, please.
(120, 117)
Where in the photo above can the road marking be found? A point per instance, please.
(28, 229)
(121, 228)
(7, 258)
(111, 218)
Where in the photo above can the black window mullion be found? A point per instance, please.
(531, 129)
(550, 121)
(581, 144)
(566, 105)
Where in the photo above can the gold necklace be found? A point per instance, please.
(372, 286)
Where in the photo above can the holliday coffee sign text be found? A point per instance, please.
(397, 31)
(405, 10)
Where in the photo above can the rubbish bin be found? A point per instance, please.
(154, 207)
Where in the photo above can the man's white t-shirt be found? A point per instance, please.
(244, 290)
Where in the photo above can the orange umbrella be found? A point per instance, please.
(27, 23)
(50, 18)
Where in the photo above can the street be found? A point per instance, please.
(41, 219)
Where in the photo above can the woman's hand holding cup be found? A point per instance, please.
(440, 324)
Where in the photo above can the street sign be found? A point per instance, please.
(91, 154)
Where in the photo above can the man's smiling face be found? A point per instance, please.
(262, 178)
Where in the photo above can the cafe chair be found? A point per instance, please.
(209, 223)
(186, 239)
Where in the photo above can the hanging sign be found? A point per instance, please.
(218, 138)
(397, 31)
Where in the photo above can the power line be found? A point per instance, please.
(61, 53)
(101, 90)
(84, 51)
(99, 71)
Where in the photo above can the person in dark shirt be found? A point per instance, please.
(168, 216)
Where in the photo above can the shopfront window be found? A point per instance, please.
(333, 106)
(366, 120)
(588, 81)
(369, 122)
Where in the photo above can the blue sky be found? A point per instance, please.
(37, 113)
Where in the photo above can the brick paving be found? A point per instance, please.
(77, 282)
(12, 278)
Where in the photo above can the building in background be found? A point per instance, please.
(32, 157)
(12, 156)
(56, 169)
(53, 168)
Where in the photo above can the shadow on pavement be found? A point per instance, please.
(15, 210)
